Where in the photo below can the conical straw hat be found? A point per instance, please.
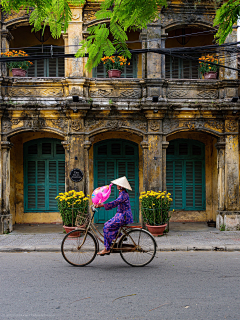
(122, 182)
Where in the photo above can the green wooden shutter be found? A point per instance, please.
(185, 174)
(113, 159)
(44, 174)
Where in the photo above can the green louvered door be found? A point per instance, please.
(114, 159)
(186, 174)
(44, 174)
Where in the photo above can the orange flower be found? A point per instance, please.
(129, 63)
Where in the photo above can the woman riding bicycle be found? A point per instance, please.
(122, 217)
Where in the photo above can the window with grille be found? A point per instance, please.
(186, 174)
(130, 71)
(177, 68)
(44, 174)
(52, 67)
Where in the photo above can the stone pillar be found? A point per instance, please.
(221, 174)
(66, 145)
(163, 41)
(87, 146)
(144, 145)
(74, 67)
(6, 215)
(153, 59)
(6, 37)
(143, 37)
(231, 165)
(228, 178)
(230, 60)
(164, 163)
(155, 157)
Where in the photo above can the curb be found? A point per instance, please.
(43, 248)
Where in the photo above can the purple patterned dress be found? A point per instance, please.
(122, 217)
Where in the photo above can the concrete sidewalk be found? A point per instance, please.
(181, 237)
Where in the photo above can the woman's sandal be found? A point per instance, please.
(103, 254)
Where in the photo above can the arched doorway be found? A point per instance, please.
(112, 159)
(44, 174)
(185, 176)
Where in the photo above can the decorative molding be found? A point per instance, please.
(231, 125)
(173, 93)
(114, 124)
(208, 94)
(60, 123)
(87, 144)
(15, 121)
(76, 125)
(6, 125)
(34, 92)
(154, 126)
(130, 93)
(100, 93)
(6, 145)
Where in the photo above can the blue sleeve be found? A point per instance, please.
(115, 203)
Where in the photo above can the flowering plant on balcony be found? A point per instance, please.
(114, 62)
(155, 207)
(204, 65)
(24, 65)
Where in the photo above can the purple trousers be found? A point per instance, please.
(111, 228)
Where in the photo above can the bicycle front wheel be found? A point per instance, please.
(137, 248)
(79, 248)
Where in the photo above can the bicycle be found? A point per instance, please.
(136, 246)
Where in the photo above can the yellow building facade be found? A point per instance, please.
(161, 124)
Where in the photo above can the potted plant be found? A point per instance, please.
(114, 65)
(155, 208)
(208, 70)
(73, 206)
(18, 68)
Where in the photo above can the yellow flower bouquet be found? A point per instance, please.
(155, 207)
(24, 65)
(204, 65)
(71, 205)
(114, 62)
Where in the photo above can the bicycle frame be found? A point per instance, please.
(113, 248)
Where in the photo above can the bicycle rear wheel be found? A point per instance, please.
(137, 248)
(76, 251)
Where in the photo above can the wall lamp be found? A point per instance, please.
(234, 112)
(75, 98)
(234, 99)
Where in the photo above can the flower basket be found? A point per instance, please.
(155, 208)
(73, 207)
(114, 73)
(210, 75)
(208, 70)
(17, 72)
(114, 65)
(18, 68)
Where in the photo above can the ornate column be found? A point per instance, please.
(164, 163)
(144, 145)
(143, 37)
(155, 156)
(6, 216)
(74, 36)
(163, 41)
(6, 37)
(87, 146)
(221, 174)
(153, 59)
(231, 165)
(66, 145)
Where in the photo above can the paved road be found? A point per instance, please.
(176, 285)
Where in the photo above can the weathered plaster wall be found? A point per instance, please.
(210, 179)
(17, 185)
